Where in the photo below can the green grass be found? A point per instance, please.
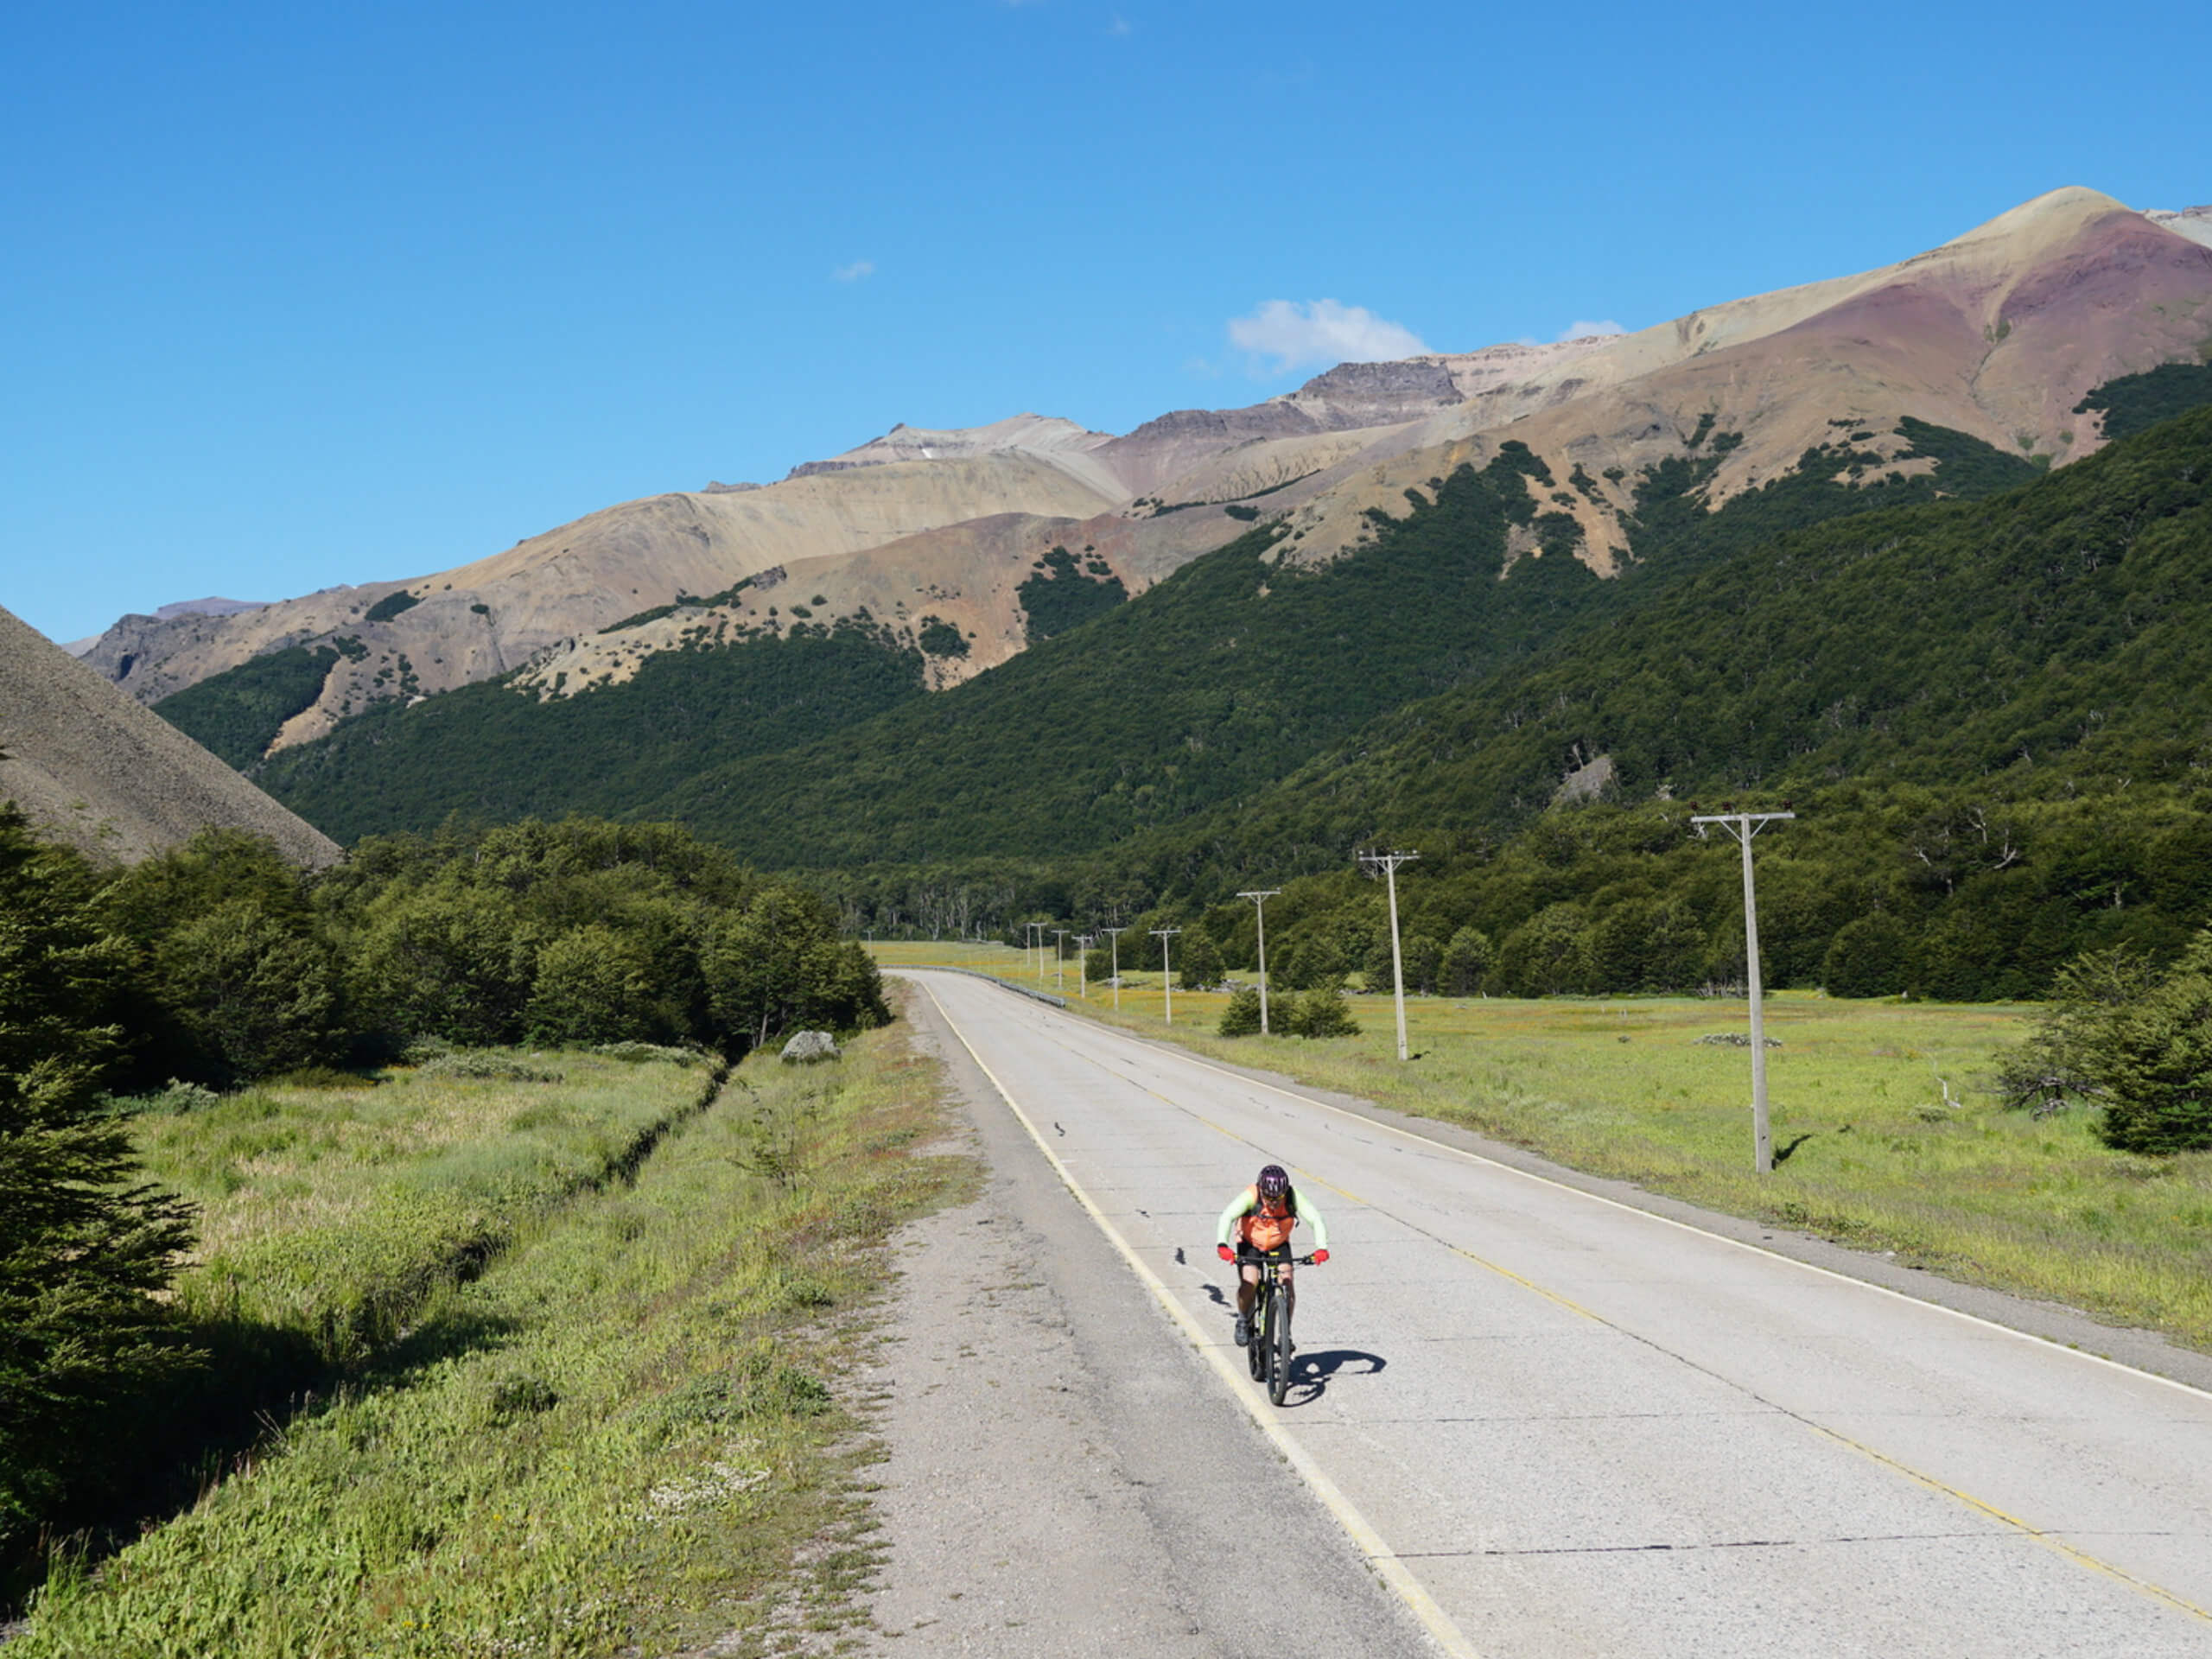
(1876, 1158)
(334, 1213)
(620, 1436)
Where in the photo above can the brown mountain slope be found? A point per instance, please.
(1997, 333)
(91, 768)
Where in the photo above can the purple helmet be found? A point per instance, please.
(1274, 1181)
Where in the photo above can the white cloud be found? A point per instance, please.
(854, 272)
(1321, 332)
(1591, 330)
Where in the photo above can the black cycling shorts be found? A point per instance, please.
(1251, 1255)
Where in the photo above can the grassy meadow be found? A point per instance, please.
(587, 1315)
(1887, 1132)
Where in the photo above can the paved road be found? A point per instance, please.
(1559, 1426)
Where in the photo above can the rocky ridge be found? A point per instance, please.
(1997, 333)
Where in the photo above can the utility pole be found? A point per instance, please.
(1034, 939)
(1166, 976)
(1387, 863)
(1114, 935)
(1060, 959)
(1083, 942)
(1260, 917)
(1742, 826)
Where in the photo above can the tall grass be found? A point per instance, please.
(1888, 1133)
(617, 1438)
(333, 1213)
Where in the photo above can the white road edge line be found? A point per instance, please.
(1379, 1555)
(1669, 1221)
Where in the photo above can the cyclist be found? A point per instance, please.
(1260, 1218)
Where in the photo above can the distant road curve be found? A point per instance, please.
(1557, 1425)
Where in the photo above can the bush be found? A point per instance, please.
(486, 1066)
(1322, 1013)
(2157, 1062)
(2067, 1058)
(1241, 1017)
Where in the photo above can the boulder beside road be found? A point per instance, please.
(807, 1046)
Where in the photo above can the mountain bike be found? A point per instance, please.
(1269, 1350)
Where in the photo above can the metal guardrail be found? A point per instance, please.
(1045, 997)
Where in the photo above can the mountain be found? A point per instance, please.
(1997, 334)
(91, 768)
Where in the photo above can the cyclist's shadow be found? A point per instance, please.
(1311, 1373)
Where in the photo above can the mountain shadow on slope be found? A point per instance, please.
(1207, 689)
(1993, 719)
(1233, 670)
(495, 752)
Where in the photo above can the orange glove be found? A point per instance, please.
(1224, 1252)
(1320, 1256)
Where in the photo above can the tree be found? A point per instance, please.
(1466, 961)
(591, 987)
(447, 960)
(1869, 956)
(250, 993)
(84, 1245)
(1546, 954)
(1241, 1017)
(2154, 1057)
(778, 963)
(1198, 964)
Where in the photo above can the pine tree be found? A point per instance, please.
(84, 1245)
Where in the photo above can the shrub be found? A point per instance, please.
(1241, 1017)
(1322, 1013)
(487, 1067)
(2157, 1061)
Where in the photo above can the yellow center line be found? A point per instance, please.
(2049, 1540)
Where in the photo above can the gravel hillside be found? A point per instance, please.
(93, 768)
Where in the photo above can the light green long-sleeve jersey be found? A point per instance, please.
(1248, 1201)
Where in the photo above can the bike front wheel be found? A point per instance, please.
(1279, 1351)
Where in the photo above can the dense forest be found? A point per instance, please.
(1994, 719)
(1981, 685)
(820, 751)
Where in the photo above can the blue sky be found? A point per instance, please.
(302, 295)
